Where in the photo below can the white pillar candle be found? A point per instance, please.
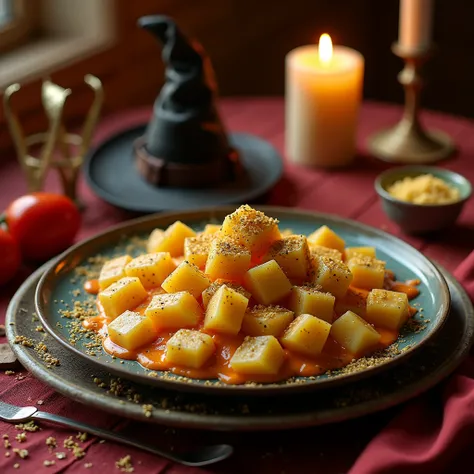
(415, 24)
(323, 95)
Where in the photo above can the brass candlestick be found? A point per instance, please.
(408, 142)
(57, 148)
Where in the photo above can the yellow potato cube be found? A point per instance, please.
(311, 300)
(267, 283)
(307, 335)
(327, 238)
(187, 277)
(354, 334)
(151, 268)
(131, 330)
(251, 228)
(174, 310)
(387, 309)
(225, 311)
(154, 240)
(260, 355)
(320, 251)
(112, 271)
(189, 348)
(266, 320)
(358, 251)
(208, 293)
(227, 259)
(368, 272)
(127, 293)
(292, 254)
(172, 240)
(196, 249)
(354, 300)
(334, 276)
(211, 228)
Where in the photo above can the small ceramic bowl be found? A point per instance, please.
(421, 218)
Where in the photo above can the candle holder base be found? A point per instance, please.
(404, 144)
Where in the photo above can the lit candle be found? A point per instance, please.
(415, 24)
(323, 95)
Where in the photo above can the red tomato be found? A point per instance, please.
(10, 258)
(43, 224)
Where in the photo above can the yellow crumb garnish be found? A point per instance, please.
(424, 189)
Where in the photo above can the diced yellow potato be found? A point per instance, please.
(151, 268)
(154, 240)
(292, 254)
(327, 238)
(354, 300)
(368, 272)
(172, 240)
(387, 309)
(211, 228)
(196, 249)
(334, 276)
(260, 355)
(189, 348)
(311, 300)
(307, 335)
(174, 310)
(320, 251)
(354, 251)
(227, 259)
(267, 283)
(131, 330)
(251, 228)
(266, 320)
(208, 293)
(127, 293)
(187, 277)
(225, 311)
(354, 334)
(112, 271)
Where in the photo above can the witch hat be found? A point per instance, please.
(185, 144)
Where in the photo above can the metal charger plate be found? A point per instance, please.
(74, 378)
(111, 173)
(55, 292)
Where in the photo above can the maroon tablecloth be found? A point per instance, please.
(434, 431)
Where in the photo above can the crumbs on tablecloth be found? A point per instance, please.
(51, 442)
(21, 437)
(22, 453)
(125, 464)
(49, 463)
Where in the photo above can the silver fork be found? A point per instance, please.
(201, 457)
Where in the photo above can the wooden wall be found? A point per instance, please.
(247, 41)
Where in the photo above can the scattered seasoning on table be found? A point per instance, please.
(61, 455)
(88, 465)
(6, 444)
(49, 463)
(81, 436)
(22, 453)
(40, 402)
(125, 464)
(30, 426)
(21, 437)
(51, 442)
(16, 466)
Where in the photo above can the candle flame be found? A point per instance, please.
(325, 48)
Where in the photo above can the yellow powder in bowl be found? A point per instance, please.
(424, 189)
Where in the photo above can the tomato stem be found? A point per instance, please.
(3, 219)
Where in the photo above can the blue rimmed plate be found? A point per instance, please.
(58, 290)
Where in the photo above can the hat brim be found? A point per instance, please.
(111, 173)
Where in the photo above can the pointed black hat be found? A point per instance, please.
(185, 133)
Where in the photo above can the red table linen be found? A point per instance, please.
(434, 432)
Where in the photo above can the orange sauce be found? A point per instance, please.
(92, 287)
(153, 356)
